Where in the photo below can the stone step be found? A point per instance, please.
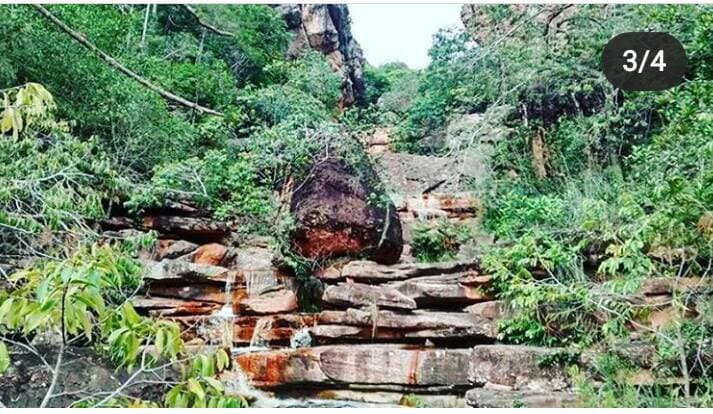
(520, 367)
(438, 291)
(159, 306)
(387, 366)
(275, 330)
(411, 294)
(349, 295)
(355, 324)
(184, 271)
(187, 227)
(366, 271)
(494, 398)
(332, 327)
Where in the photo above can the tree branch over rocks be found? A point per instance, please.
(81, 39)
(205, 24)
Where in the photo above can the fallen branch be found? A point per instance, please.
(81, 39)
(205, 24)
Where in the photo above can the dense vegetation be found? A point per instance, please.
(590, 192)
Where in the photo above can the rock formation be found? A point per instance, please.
(386, 331)
(335, 216)
(326, 28)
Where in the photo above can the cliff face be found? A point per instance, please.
(327, 29)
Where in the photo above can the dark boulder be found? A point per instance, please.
(336, 216)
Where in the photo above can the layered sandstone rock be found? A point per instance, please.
(326, 28)
(518, 367)
(372, 272)
(499, 398)
(357, 365)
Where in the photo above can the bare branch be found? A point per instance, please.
(55, 377)
(205, 24)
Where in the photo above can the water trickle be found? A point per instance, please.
(257, 281)
(220, 327)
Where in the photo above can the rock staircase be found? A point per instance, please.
(403, 334)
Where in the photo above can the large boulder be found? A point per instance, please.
(335, 216)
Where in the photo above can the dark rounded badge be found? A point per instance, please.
(644, 61)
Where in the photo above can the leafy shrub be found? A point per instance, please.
(432, 243)
(226, 183)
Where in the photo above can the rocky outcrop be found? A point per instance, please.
(354, 366)
(518, 367)
(326, 28)
(336, 217)
(386, 332)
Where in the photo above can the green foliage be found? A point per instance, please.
(226, 183)
(433, 243)
(259, 37)
(87, 297)
(307, 92)
(458, 80)
(413, 401)
(51, 181)
(617, 390)
(78, 296)
(200, 388)
(4, 358)
(23, 106)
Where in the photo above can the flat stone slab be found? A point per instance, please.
(199, 292)
(271, 329)
(198, 227)
(173, 249)
(181, 270)
(411, 321)
(280, 301)
(368, 271)
(441, 292)
(159, 306)
(347, 295)
(356, 324)
(375, 365)
(491, 398)
(518, 367)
